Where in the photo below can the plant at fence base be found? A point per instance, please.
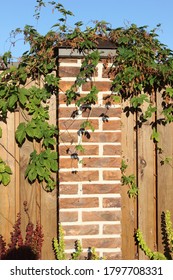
(59, 249)
(30, 246)
(59, 246)
(168, 239)
(129, 180)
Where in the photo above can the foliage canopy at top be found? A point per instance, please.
(140, 69)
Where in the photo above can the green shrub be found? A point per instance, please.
(167, 232)
(19, 248)
(59, 249)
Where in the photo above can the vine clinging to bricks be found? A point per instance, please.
(140, 69)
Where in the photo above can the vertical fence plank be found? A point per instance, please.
(147, 185)
(129, 214)
(17, 164)
(8, 193)
(165, 174)
(49, 204)
(49, 222)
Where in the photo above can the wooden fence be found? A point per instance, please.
(155, 182)
(42, 206)
(154, 179)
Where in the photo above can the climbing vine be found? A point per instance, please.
(140, 70)
(129, 180)
(167, 238)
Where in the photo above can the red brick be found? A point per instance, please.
(111, 229)
(68, 71)
(89, 150)
(68, 163)
(76, 124)
(81, 230)
(68, 189)
(101, 216)
(111, 202)
(70, 244)
(112, 125)
(101, 112)
(65, 85)
(112, 149)
(68, 216)
(70, 149)
(72, 71)
(101, 162)
(100, 188)
(67, 60)
(66, 137)
(101, 242)
(66, 112)
(78, 202)
(112, 256)
(101, 86)
(78, 176)
(66, 150)
(102, 137)
(112, 175)
(62, 98)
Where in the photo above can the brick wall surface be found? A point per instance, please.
(89, 190)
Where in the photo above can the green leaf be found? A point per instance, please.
(6, 57)
(51, 79)
(33, 155)
(8, 169)
(21, 133)
(5, 179)
(150, 110)
(139, 100)
(169, 91)
(2, 167)
(30, 131)
(87, 124)
(38, 133)
(123, 165)
(116, 98)
(53, 155)
(54, 166)
(140, 87)
(155, 135)
(49, 141)
(40, 170)
(32, 175)
(23, 96)
(47, 164)
(80, 148)
(12, 101)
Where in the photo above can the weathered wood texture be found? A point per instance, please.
(129, 206)
(164, 174)
(154, 180)
(42, 206)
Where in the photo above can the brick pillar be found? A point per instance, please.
(89, 187)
